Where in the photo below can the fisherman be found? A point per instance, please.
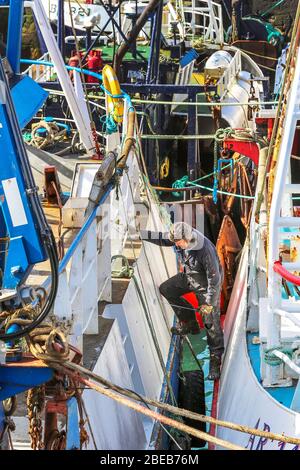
(203, 275)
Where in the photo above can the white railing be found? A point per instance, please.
(85, 275)
(281, 220)
(205, 20)
(39, 72)
(183, 77)
(85, 270)
(230, 75)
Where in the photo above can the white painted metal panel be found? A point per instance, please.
(125, 205)
(115, 427)
(104, 285)
(83, 179)
(89, 281)
(154, 266)
(14, 202)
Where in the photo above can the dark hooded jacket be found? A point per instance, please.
(200, 262)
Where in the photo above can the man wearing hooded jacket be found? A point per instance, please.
(203, 275)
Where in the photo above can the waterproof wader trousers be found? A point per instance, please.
(173, 289)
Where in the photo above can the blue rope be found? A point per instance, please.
(85, 72)
(109, 126)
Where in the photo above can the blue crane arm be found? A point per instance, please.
(18, 221)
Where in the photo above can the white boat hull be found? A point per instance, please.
(242, 399)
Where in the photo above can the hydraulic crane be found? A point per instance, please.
(25, 236)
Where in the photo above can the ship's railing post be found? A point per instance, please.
(206, 19)
(123, 207)
(230, 74)
(40, 73)
(85, 275)
(278, 223)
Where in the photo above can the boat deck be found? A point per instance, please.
(42, 271)
(283, 395)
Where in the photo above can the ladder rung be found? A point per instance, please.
(292, 188)
(293, 317)
(292, 266)
(289, 306)
(288, 236)
(288, 221)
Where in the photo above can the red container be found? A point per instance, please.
(94, 64)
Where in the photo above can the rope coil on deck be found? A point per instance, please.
(273, 360)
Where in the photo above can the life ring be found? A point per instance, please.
(112, 85)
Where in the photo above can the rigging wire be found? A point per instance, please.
(167, 407)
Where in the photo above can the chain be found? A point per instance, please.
(98, 153)
(84, 437)
(252, 100)
(35, 405)
(57, 440)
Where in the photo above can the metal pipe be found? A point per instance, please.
(285, 274)
(61, 27)
(14, 37)
(287, 361)
(158, 20)
(133, 34)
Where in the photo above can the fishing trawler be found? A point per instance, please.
(263, 342)
(85, 332)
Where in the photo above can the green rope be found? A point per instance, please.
(125, 271)
(241, 196)
(27, 136)
(181, 183)
(184, 182)
(273, 360)
(272, 7)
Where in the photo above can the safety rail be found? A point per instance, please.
(230, 74)
(285, 274)
(85, 271)
(205, 20)
(85, 274)
(281, 215)
(40, 72)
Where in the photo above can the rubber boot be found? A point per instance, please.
(185, 328)
(214, 367)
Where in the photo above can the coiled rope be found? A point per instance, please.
(273, 360)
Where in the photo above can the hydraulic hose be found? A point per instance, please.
(46, 235)
(285, 274)
(52, 254)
